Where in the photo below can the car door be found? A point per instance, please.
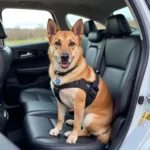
(27, 40)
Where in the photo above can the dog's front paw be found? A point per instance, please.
(54, 132)
(72, 139)
(70, 122)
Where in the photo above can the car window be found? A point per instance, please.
(126, 12)
(71, 19)
(25, 26)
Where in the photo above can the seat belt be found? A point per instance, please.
(99, 57)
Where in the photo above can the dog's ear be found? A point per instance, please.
(78, 28)
(52, 29)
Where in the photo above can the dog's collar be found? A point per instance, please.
(64, 73)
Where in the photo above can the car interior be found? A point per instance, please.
(26, 98)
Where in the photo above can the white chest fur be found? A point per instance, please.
(67, 95)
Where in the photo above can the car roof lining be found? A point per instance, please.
(96, 9)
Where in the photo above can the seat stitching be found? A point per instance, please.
(47, 146)
(50, 122)
(37, 97)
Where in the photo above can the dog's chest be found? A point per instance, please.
(67, 95)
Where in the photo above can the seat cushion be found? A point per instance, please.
(37, 126)
(37, 94)
(40, 106)
(38, 100)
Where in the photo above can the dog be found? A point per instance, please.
(67, 65)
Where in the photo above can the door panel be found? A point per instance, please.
(31, 51)
(29, 69)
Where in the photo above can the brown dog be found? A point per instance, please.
(96, 118)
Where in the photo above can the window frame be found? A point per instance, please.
(70, 26)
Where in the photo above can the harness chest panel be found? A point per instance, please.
(91, 89)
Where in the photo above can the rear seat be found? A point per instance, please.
(37, 94)
(89, 26)
(120, 62)
(94, 46)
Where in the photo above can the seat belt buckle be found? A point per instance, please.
(71, 111)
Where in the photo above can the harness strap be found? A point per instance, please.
(91, 89)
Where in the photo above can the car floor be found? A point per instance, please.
(15, 130)
(18, 138)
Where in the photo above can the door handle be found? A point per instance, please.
(28, 54)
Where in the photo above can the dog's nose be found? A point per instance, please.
(64, 56)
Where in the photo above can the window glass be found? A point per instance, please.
(126, 12)
(73, 18)
(25, 26)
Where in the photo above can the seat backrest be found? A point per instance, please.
(89, 26)
(95, 38)
(121, 57)
(5, 56)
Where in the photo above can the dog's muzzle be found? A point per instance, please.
(64, 60)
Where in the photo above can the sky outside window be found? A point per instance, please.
(25, 18)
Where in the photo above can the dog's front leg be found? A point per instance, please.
(79, 105)
(61, 116)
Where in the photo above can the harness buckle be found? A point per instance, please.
(93, 92)
(96, 88)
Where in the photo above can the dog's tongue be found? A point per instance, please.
(64, 65)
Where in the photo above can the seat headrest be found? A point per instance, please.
(2, 31)
(118, 26)
(96, 36)
(89, 26)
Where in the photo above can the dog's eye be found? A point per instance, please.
(58, 43)
(71, 44)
